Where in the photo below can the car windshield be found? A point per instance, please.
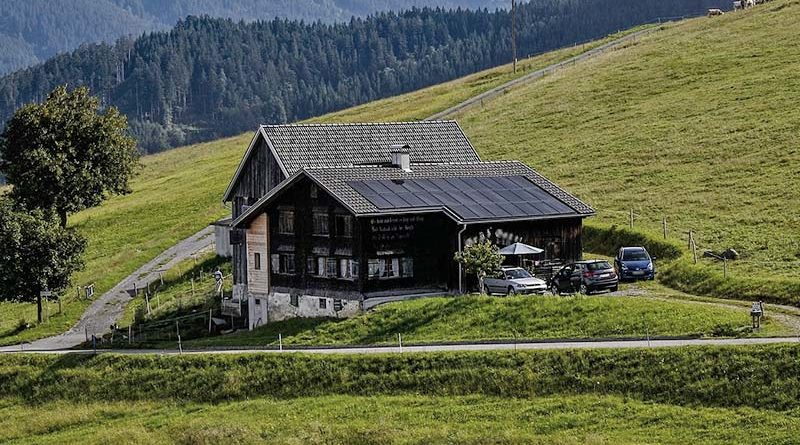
(600, 265)
(635, 255)
(514, 274)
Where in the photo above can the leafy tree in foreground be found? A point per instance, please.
(65, 155)
(480, 258)
(37, 253)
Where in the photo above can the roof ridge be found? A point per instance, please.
(424, 163)
(347, 124)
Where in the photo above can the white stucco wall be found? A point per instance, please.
(280, 307)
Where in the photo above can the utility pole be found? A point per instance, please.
(514, 33)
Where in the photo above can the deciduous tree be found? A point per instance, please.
(37, 253)
(480, 258)
(65, 154)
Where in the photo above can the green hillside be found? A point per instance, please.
(698, 123)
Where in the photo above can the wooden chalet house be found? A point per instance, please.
(329, 219)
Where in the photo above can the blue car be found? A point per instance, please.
(634, 263)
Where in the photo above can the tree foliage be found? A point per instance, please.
(34, 30)
(209, 78)
(480, 259)
(65, 155)
(37, 253)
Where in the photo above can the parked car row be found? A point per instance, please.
(586, 277)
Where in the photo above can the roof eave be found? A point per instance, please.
(256, 208)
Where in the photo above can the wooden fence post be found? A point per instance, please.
(631, 218)
(725, 268)
(664, 224)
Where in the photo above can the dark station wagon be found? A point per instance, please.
(585, 277)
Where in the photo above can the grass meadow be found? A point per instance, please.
(482, 318)
(708, 395)
(696, 123)
(404, 419)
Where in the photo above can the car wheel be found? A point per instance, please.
(511, 291)
(554, 289)
(584, 289)
(615, 288)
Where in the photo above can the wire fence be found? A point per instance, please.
(696, 242)
(161, 313)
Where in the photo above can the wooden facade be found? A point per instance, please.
(260, 174)
(315, 246)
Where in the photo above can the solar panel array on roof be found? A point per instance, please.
(470, 198)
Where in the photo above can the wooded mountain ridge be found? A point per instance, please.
(32, 31)
(208, 78)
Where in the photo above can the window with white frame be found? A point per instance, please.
(283, 263)
(390, 267)
(332, 268)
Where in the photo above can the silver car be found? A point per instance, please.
(512, 281)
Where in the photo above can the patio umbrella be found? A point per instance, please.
(520, 249)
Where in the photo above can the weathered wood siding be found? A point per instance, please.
(260, 174)
(258, 247)
(428, 239)
(303, 244)
(560, 238)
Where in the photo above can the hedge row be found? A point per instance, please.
(763, 377)
(703, 280)
(607, 240)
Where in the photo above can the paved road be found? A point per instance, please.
(497, 91)
(109, 308)
(605, 344)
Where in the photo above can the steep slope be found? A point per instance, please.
(208, 78)
(698, 123)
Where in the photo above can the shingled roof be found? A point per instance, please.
(467, 191)
(300, 146)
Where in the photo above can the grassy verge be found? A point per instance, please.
(475, 318)
(762, 377)
(393, 420)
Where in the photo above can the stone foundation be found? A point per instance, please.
(278, 306)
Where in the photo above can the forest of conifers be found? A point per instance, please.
(208, 77)
(32, 31)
